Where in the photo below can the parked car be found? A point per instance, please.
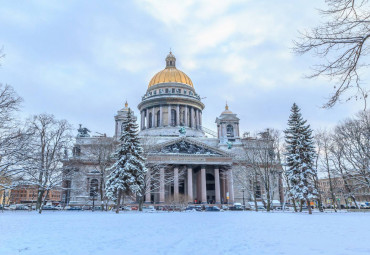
(195, 208)
(224, 207)
(48, 207)
(21, 207)
(236, 207)
(126, 208)
(58, 207)
(364, 206)
(212, 209)
(74, 208)
(149, 209)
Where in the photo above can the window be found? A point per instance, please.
(173, 90)
(76, 151)
(94, 185)
(258, 191)
(229, 130)
(173, 118)
(184, 91)
(167, 90)
(155, 92)
(150, 120)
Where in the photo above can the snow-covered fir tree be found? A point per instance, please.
(127, 175)
(300, 157)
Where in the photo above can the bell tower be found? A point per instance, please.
(119, 118)
(228, 127)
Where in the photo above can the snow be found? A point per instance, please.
(88, 232)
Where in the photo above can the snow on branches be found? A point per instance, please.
(127, 175)
(300, 157)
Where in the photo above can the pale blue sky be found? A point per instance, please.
(81, 60)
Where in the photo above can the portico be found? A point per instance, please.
(197, 173)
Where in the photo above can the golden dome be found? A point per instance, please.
(170, 74)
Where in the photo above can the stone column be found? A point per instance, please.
(176, 184)
(237, 130)
(190, 185)
(195, 118)
(223, 188)
(200, 118)
(203, 185)
(169, 115)
(153, 123)
(186, 116)
(178, 115)
(217, 185)
(142, 120)
(148, 187)
(147, 118)
(230, 186)
(161, 185)
(160, 116)
(191, 124)
(88, 186)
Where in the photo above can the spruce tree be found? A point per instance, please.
(127, 175)
(300, 158)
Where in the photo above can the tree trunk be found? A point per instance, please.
(309, 206)
(3, 204)
(118, 204)
(43, 201)
(141, 200)
(40, 194)
(294, 205)
(301, 205)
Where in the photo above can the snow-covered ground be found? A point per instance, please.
(184, 233)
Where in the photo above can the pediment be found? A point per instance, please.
(188, 146)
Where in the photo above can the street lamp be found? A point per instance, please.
(93, 195)
(243, 189)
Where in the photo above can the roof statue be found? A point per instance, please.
(83, 132)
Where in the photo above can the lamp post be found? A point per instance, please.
(243, 189)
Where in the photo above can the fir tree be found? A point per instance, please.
(300, 157)
(127, 175)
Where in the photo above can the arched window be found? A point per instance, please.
(229, 130)
(173, 118)
(94, 185)
(158, 118)
(150, 120)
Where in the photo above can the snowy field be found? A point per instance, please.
(184, 233)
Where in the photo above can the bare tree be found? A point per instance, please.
(13, 139)
(342, 42)
(351, 153)
(260, 175)
(50, 139)
(324, 141)
(100, 152)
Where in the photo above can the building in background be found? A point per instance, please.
(27, 194)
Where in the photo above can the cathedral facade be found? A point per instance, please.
(187, 163)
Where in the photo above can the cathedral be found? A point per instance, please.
(187, 163)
